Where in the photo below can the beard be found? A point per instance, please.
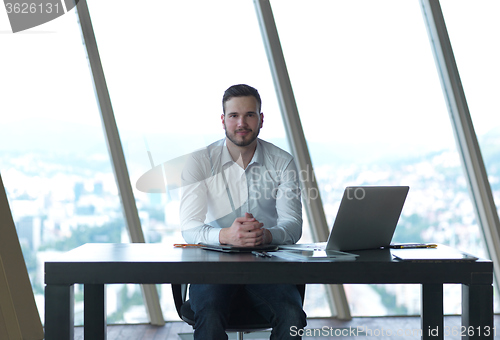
(243, 141)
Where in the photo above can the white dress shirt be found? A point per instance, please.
(216, 190)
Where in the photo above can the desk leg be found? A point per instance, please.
(94, 312)
(59, 312)
(432, 312)
(477, 312)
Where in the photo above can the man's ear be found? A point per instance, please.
(222, 120)
(261, 119)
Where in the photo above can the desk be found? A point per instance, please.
(96, 265)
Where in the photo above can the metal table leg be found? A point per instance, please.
(94, 312)
(59, 312)
(432, 312)
(477, 312)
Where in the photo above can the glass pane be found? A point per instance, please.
(477, 52)
(167, 71)
(373, 113)
(473, 32)
(53, 155)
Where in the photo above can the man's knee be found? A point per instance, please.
(293, 314)
(210, 297)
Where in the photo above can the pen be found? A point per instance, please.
(186, 245)
(410, 246)
(261, 253)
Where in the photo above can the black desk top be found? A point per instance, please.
(102, 263)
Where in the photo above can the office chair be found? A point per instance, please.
(243, 319)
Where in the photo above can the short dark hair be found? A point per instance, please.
(240, 90)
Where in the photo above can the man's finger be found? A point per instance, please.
(251, 226)
(256, 233)
(245, 219)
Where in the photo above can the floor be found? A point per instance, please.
(403, 328)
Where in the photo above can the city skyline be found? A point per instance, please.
(53, 202)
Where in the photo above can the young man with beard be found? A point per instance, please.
(242, 191)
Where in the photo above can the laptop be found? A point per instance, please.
(366, 219)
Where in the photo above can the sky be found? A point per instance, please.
(361, 75)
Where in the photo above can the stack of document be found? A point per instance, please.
(314, 255)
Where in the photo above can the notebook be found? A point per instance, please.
(226, 248)
(438, 254)
(366, 219)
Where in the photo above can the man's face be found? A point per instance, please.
(242, 120)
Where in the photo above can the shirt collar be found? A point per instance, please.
(258, 156)
(225, 156)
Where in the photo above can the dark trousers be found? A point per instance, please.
(279, 304)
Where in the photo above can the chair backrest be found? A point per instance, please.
(179, 292)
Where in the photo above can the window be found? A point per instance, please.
(167, 65)
(373, 113)
(367, 90)
(477, 52)
(54, 162)
(476, 49)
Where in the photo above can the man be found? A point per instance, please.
(242, 191)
